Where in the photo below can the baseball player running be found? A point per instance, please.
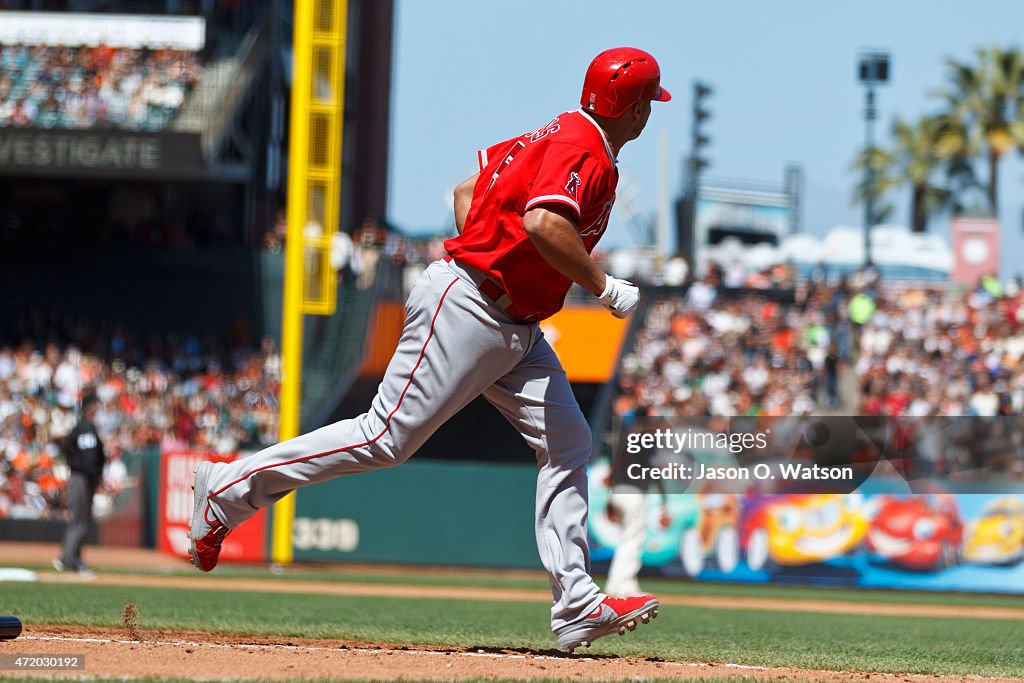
(527, 223)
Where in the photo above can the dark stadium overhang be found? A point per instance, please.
(110, 153)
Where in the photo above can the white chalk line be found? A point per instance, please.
(360, 650)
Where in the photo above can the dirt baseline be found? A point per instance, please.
(204, 656)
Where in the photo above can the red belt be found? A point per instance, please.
(493, 291)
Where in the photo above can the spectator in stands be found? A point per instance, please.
(274, 239)
(832, 364)
(369, 241)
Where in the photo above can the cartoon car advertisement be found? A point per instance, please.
(997, 536)
(922, 532)
(715, 538)
(936, 539)
(795, 530)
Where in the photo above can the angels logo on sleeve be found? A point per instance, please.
(573, 186)
(598, 226)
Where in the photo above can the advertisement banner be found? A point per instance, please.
(585, 338)
(932, 503)
(748, 215)
(382, 337)
(248, 543)
(975, 249)
(587, 341)
(940, 541)
(99, 153)
(115, 30)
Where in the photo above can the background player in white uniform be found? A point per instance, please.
(627, 507)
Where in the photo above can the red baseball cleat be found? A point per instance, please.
(206, 533)
(613, 615)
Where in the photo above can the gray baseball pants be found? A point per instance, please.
(455, 346)
(80, 492)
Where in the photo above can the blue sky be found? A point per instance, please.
(471, 72)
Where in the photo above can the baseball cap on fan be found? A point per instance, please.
(619, 78)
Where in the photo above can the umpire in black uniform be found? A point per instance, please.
(84, 453)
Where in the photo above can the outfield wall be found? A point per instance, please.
(963, 537)
(431, 513)
(953, 538)
(471, 514)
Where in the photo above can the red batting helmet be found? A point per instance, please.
(619, 78)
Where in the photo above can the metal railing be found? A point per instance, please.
(222, 88)
(337, 354)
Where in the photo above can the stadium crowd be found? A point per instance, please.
(58, 86)
(170, 392)
(919, 354)
(714, 351)
(944, 352)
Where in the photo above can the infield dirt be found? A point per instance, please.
(205, 656)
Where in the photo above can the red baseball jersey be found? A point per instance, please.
(567, 161)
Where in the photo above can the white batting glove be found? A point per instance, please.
(620, 296)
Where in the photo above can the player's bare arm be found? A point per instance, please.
(463, 200)
(553, 233)
(552, 230)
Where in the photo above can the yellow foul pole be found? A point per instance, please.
(314, 182)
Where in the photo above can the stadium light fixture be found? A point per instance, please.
(872, 71)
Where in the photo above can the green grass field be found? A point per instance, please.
(929, 645)
(656, 586)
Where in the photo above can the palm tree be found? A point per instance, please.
(915, 159)
(985, 113)
(882, 163)
(967, 194)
